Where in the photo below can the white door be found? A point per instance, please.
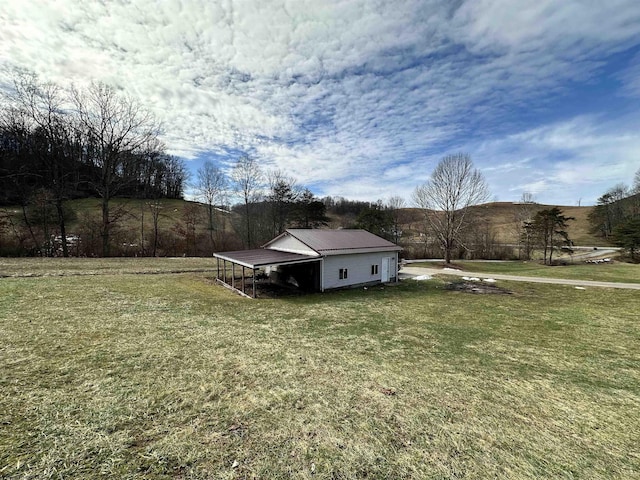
(386, 263)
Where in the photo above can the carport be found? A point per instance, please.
(253, 260)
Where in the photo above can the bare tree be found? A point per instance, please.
(609, 211)
(114, 128)
(42, 106)
(155, 206)
(246, 179)
(186, 227)
(211, 184)
(445, 198)
(527, 198)
(636, 183)
(176, 176)
(395, 206)
(524, 212)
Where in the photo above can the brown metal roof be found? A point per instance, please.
(261, 257)
(337, 242)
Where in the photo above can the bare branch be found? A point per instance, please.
(453, 187)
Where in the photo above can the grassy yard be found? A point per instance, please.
(37, 267)
(170, 376)
(613, 272)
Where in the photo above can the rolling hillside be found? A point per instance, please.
(183, 226)
(502, 217)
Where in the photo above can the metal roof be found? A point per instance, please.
(261, 257)
(339, 242)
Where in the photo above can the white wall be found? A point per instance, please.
(359, 268)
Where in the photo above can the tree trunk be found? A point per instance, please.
(248, 220)
(211, 226)
(155, 237)
(45, 227)
(28, 224)
(105, 226)
(63, 228)
(156, 219)
(144, 251)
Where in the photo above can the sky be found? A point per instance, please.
(362, 98)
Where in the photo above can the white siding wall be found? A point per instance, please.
(359, 268)
(289, 244)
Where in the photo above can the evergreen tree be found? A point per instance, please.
(549, 227)
(627, 236)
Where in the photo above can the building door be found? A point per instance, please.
(386, 264)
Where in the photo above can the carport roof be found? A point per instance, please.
(261, 257)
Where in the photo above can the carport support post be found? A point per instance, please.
(242, 278)
(254, 283)
(217, 268)
(224, 271)
(233, 274)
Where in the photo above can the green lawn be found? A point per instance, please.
(613, 272)
(170, 376)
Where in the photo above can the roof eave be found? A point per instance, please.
(347, 251)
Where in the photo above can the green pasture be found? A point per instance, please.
(117, 374)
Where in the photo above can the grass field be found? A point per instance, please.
(51, 267)
(613, 272)
(119, 375)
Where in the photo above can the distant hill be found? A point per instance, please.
(502, 215)
(183, 226)
(501, 218)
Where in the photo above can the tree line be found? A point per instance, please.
(267, 202)
(60, 143)
(616, 216)
(258, 204)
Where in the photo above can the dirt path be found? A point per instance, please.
(415, 271)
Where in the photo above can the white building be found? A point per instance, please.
(315, 260)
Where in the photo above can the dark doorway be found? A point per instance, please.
(304, 276)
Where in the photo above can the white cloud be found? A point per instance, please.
(563, 162)
(571, 26)
(355, 97)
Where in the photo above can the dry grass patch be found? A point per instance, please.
(168, 376)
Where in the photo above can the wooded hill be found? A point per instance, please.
(175, 227)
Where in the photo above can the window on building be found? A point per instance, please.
(374, 269)
(343, 273)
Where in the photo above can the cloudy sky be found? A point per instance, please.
(361, 98)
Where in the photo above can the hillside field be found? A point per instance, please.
(122, 368)
(501, 216)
